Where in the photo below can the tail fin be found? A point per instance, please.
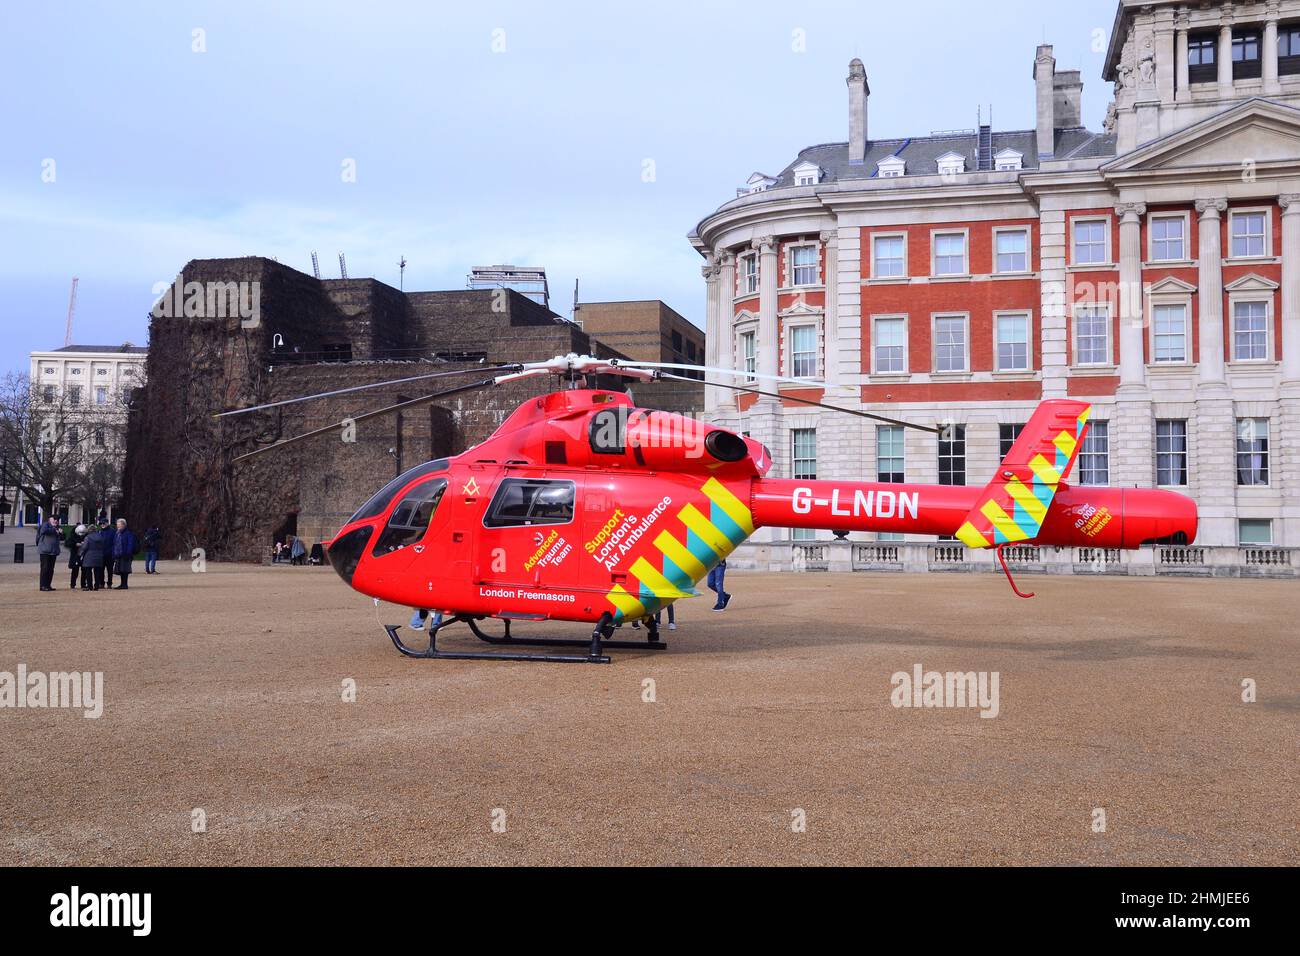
(1015, 502)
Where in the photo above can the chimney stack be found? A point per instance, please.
(1044, 83)
(1068, 99)
(858, 93)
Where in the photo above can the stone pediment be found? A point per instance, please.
(1170, 284)
(797, 309)
(1251, 283)
(1258, 131)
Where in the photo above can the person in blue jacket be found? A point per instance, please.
(107, 535)
(123, 552)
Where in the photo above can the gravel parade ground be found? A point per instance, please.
(772, 737)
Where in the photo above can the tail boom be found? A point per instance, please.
(1083, 516)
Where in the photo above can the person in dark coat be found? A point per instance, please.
(109, 534)
(49, 541)
(92, 557)
(152, 537)
(76, 536)
(123, 552)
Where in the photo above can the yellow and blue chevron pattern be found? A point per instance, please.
(1014, 505)
(681, 562)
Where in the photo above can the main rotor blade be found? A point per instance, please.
(388, 410)
(720, 371)
(808, 401)
(361, 388)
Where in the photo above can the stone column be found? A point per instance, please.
(1224, 56)
(1210, 291)
(1131, 428)
(767, 324)
(712, 326)
(1289, 405)
(1182, 79)
(830, 315)
(1290, 203)
(726, 350)
(1213, 469)
(1052, 303)
(1132, 324)
(1268, 53)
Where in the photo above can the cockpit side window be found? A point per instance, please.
(381, 498)
(530, 501)
(410, 519)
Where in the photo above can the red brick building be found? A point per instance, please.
(1152, 267)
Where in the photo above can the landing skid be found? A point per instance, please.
(595, 646)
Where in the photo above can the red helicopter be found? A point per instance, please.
(583, 507)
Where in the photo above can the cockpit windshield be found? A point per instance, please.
(381, 498)
(410, 519)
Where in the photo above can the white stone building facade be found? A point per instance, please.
(94, 384)
(1152, 268)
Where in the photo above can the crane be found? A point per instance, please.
(72, 305)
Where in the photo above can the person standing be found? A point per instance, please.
(76, 537)
(92, 560)
(108, 534)
(152, 537)
(49, 541)
(716, 583)
(123, 552)
(298, 552)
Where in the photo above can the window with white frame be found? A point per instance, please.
(891, 167)
(950, 253)
(1252, 451)
(1089, 242)
(803, 351)
(1012, 334)
(803, 265)
(889, 344)
(803, 454)
(1248, 233)
(1008, 159)
(890, 459)
(888, 257)
(1171, 452)
(952, 455)
(950, 164)
(950, 343)
(1168, 238)
(1012, 250)
(1094, 455)
(47, 394)
(748, 274)
(1249, 331)
(1254, 531)
(748, 354)
(101, 395)
(1092, 335)
(1169, 333)
(1008, 432)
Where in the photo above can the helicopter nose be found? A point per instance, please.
(345, 552)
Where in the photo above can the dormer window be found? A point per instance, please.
(756, 184)
(807, 174)
(890, 167)
(1008, 159)
(950, 164)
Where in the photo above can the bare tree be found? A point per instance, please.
(58, 447)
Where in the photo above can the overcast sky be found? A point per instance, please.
(481, 133)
